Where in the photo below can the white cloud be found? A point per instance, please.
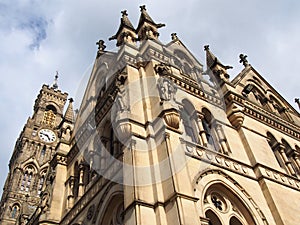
(39, 37)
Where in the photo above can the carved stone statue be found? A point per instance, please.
(121, 94)
(166, 89)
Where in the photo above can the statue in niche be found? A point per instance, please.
(121, 92)
(166, 89)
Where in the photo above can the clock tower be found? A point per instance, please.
(34, 149)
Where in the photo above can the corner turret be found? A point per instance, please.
(147, 28)
(215, 68)
(126, 32)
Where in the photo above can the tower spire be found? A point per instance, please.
(215, 67)
(69, 115)
(147, 28)
(126, 31)
(55, 85)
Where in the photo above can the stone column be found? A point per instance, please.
(81, 180)
(297, 158)
(202, 133)
(71, 192)
(222, 139)
(287, 162)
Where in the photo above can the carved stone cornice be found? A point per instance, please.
(263, 116)
(264, 172)
(218, 159)
(59, 158)
(188, 84)
(273, 121)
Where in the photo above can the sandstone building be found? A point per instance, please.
(159, 139)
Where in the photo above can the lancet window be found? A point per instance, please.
(15, 211)
(287, 158)
(41, 181)
(26, 182)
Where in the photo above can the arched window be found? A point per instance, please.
(41, 182)
(50, 115)
(14, 211)
(76, 180)
(275, 148)
(43, 152)
(109, 140)
(208, 128)
(279, 109)
(188, 116)
(222, 206)
(290, 156)
(188, 126)
(213, 218)
(26, 182)
(234, 221)
(254, 93)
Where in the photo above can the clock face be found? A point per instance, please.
(47, 135)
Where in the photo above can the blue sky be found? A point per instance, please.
(39, 37)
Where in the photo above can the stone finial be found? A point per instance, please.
(143, 8)
(124, 13)
(243, 59)
(206, 47)
(101, 45)
(55, 85)
(174, 37)
(298, 102)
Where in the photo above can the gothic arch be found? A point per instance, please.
(205, 184)
(15, 210)
(110, 202)
(51, 105)
(257, 85)
(28, 177)
(32, 162)
(189, 122)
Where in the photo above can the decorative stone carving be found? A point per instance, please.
(166, 88)
(90, 212)
(162, 69)
(121, 94)
(235, 113)
(124, 130)
(243, 59)
(172, 119)
(101, 47)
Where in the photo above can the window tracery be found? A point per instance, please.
(201, 128)
(26, 182)
(222, 207)
(287, 158)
